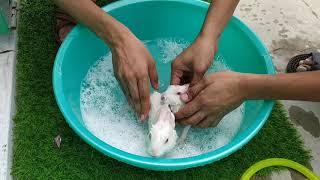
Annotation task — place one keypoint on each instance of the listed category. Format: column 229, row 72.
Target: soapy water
column 107, row 115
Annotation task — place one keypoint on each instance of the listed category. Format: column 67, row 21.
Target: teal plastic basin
column 4, row 28
column 242, row 49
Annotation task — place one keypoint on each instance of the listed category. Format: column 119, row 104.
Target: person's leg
column 64, row 24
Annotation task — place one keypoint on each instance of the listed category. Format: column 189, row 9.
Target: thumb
column 176, row 75
column 193, row 91
column 176, row 71
column 153, row 76
column 188, row 110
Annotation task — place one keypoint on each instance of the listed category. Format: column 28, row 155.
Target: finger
column 194, row 119
column 301, row 68
column 193, row 91
column 307, row 66
column 123, row 85
column 210, row 121
column 144, row 94
column 153, row 76
column 134, row 94
column 309, row 61
column 176, row 76
column 126, row 92
column 188, row 110
column 301, row 62
column 196, row 78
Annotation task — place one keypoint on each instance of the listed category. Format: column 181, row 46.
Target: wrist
column 257, row 86
column 248, row 86
column 210, row 35
column 207, row 43
column 113, row 33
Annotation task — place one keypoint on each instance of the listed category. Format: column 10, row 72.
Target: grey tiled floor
column 288, row 28
column 7, row 67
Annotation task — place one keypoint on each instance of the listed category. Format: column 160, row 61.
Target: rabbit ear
column 184, row 88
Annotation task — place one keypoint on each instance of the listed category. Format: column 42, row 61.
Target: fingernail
column 157, row 86
column 184, row 97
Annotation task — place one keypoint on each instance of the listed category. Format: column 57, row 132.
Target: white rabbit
column 172, row 96
column 162, row 134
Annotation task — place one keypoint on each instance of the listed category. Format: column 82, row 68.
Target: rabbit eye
column 166, row 140
column 179, row 93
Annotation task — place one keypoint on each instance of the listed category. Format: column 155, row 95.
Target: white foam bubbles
column 170, row 48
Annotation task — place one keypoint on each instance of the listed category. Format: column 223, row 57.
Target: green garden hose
column 279, row 162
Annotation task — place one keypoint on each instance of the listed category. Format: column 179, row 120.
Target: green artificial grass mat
column 38, row 121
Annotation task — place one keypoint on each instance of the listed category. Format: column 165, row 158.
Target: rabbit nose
column 154, row 153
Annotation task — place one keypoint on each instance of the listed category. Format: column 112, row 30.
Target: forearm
column 89, row 14
column 295, row 86
column 219, row 13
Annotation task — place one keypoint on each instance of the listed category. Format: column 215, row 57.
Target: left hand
column 134, row 67
column 192, row 63
column 211, row 99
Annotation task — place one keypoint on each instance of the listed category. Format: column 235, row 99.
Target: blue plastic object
column 152, row 19
column 4, row 28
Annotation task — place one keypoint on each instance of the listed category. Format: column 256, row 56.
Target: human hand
column 211, row 99
column 192, row 63
column 134, row 67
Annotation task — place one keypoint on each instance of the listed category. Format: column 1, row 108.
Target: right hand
column 134, row 67
column 212, row 98
column 190, row 66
